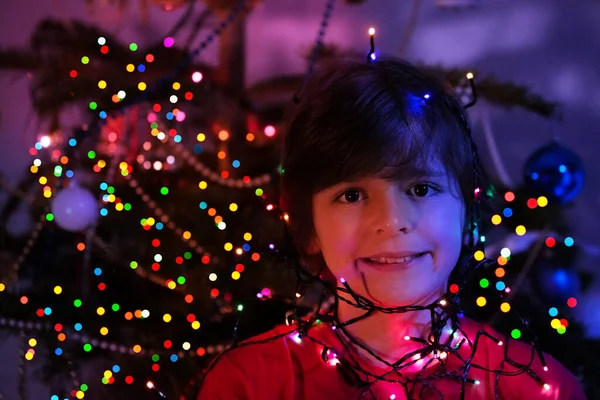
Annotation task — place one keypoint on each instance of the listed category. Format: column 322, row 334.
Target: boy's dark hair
column 358, row 119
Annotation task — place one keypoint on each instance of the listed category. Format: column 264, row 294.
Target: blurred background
column 139, row 160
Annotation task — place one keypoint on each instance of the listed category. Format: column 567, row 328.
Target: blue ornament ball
column 555, row 172
column 558, row 284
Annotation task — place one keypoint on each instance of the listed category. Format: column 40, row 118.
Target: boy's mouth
column 392, row 261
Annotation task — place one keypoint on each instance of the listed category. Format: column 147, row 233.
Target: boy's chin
column 386, row 299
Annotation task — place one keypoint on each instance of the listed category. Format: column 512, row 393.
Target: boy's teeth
column 385, row 260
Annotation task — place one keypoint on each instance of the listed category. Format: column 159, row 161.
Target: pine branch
column 502, row 94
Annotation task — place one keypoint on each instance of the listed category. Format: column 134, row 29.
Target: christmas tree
column 158, row 238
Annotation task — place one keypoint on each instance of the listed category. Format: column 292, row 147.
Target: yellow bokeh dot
column 505, row 307
column 150, row 221
column 100, row 311
column 119, row 207
column 47, row 193
column 108, row 374
column 57, row 289
column 176, row 85
column 479, row 255
column 102, row 84
column 101, row 163
column 171, row 285
column 481, row 301
column 496, row 219
column 228, row 246
column 167, row 317
column 202, row 185
column 233, row 207
column 235, row 275
column 201, row 137
column 137, row 348
column 555, row 323
column 29, row 356
column 130, row 67
column 43, row 180
column 187, row 235
column 196, row 325
column 247, row 236
column 142, row 86
column 32, row 342
column 80, row 394
column 104, row 331
column 34, row 169
column 112, row 198
column 520, row 230
column 2, row 287
column 542, row 201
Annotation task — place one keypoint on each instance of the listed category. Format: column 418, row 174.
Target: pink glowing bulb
column 269, row 131
column 169, row 42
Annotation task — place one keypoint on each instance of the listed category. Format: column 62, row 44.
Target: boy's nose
column 393, row 214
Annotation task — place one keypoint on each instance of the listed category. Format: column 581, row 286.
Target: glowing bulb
column 269, row 131
column 371, row 31
column 45, row 141
column 197, row 76
column 469, row 75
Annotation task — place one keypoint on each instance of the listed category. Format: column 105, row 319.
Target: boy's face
column 366, row 228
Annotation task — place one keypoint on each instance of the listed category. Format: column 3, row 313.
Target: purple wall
column 551, row 46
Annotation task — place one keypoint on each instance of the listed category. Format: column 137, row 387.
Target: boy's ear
column 313, row 247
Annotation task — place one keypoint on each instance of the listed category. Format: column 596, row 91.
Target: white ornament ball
column 74, row 209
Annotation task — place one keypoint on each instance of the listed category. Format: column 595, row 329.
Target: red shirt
column 289, row 368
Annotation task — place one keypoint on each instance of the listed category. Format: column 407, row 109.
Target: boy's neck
column 384, row 334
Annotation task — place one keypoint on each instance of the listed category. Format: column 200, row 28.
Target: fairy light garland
column 56, row 156
column 503, row 260
column 113, row 347
column 164, row 218
column 443, row 311
column 202, row 169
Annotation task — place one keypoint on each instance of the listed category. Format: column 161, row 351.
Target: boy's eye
column 421, row 190
column 350, row 196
